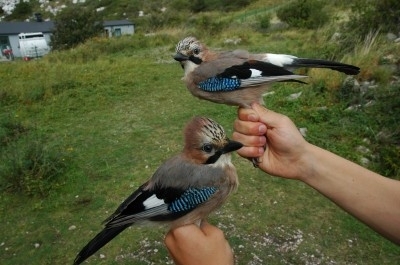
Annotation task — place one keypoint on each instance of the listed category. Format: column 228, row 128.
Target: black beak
column 180, row 57
column 231, row 146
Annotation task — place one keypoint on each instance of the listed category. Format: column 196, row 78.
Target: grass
column 116, row 109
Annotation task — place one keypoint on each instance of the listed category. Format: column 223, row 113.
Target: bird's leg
column 256, row 160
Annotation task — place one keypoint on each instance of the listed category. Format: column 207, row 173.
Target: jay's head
column 207, row 143
column 189, row 51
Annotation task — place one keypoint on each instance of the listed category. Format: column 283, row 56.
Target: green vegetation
column 73, row 26
column 81, row 129
column 304, row 14
column 383, row 15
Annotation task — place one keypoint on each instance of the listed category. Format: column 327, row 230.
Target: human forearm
column 373, row 199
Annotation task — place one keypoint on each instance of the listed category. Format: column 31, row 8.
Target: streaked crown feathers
column 188, row 44
column 203, row 127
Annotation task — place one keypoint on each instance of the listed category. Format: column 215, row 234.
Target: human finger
column 247, row 114
column 249, row 128
column 181, row 232
column 251, row 151
column 249, row 140
column 269, row 117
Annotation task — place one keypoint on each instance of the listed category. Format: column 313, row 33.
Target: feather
column 217, row 84
column 191, row 198
column 317, row 63
column 98, row 242
column 269, row 79
column 183, row 190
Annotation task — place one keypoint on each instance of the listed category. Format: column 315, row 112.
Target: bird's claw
column 255, row 161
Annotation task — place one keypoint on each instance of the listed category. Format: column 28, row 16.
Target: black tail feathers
column 98, row 242
column 316, row 63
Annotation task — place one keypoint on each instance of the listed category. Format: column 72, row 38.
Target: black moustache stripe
column 214, row 158
column 195, row 60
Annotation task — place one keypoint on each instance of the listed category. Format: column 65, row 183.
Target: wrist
column 308, row 163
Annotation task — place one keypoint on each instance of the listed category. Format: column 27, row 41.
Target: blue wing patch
column 220, row 84
column 191, row 198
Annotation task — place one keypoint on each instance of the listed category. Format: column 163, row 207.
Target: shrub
column 304, row 14
column 206, row 24
column 381, row 15
column 73, row 26
column 264, row 21
column 217, row 5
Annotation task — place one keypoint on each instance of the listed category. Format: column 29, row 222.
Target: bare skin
column 194, row 245
column 371, row 198
column 368, row 196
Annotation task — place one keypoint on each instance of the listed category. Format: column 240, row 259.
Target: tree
column 73, row 26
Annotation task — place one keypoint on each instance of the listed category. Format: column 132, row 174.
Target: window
column 117, row 32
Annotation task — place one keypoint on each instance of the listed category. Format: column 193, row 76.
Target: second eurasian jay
column 239, row 77
column 183, row 190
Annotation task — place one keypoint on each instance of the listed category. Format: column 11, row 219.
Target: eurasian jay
column 239, row 77
column 183, row 190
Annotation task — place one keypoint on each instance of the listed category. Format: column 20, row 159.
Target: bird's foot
column 255, row 161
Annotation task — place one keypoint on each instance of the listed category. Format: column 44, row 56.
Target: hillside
column 81, row 129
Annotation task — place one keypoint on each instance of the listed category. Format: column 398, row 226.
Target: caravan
column 33, row 45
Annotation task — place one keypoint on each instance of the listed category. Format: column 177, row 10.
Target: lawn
column 110, row 118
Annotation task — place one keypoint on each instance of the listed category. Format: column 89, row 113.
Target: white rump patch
column 152, row 202
column 255, row 73
column 280, row 59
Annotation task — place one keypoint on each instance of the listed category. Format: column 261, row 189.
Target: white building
column 9, row 31
column 116, row 28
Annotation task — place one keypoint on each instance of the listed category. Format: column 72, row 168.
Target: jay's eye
column 207, row 148
column 196, row 51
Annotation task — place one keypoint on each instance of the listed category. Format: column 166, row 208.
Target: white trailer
column 33, row 45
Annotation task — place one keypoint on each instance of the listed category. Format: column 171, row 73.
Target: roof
column 117, row 23
column 15, row 28
column 12, row 28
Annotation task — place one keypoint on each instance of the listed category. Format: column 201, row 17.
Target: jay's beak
column 180, row 57
column 231, row 146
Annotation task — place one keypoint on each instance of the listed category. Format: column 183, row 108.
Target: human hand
column 286, row 150
column 193, row 245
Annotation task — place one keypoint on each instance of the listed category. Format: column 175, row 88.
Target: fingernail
column 252, row 117
column 262, row 129
column 261, row 151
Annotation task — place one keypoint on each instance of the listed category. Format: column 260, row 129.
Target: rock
column 350, row 86
column 369, row 103
column 366, row 140
column 336, row 36
column 354, row 107
column 234, row 41
column 37, row 245
column 391, row 37
column 294, row 96
column 397, row 40
column 364, row 161
column 362, row 149
column 72, row 227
